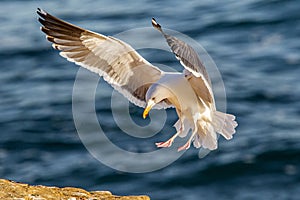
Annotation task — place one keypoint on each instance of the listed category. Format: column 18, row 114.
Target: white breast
column 181, row 88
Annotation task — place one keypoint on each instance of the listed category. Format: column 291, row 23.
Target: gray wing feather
column 187, row 56
column 194, row 68
column 117, row 62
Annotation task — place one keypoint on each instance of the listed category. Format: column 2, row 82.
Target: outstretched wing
column 194, row 68
column 118, row 63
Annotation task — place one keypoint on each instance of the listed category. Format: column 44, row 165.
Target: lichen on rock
column 10, row 190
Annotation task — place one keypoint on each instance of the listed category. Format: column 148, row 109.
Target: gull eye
column 153, row 98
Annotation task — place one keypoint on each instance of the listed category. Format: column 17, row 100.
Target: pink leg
column 170, row 141
column 188, row 144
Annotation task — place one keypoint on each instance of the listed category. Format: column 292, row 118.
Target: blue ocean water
column 255, row 45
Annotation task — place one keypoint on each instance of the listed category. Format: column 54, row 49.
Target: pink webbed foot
column 167, row 143
column 185, row 147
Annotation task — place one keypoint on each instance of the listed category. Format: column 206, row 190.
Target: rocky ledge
column 10, row 190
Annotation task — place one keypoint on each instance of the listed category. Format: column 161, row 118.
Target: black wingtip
column 41, row 12
column 38, row 10
column 155, row 24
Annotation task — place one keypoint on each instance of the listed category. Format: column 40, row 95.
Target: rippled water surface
column 255, row 45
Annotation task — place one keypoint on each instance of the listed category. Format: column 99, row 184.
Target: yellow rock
column 10, row 190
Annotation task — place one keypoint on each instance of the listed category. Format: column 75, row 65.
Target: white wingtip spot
column 42, row 11
column 55, row 46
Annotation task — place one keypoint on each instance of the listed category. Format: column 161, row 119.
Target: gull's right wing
column 116, row 61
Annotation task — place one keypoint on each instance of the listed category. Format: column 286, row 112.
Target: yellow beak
column 149, row 106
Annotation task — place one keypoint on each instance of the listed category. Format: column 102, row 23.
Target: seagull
column 145, row 85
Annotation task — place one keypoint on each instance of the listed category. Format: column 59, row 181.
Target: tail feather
column 209, row 139
column 224, row 124
column 197, row 141
column 206, row 136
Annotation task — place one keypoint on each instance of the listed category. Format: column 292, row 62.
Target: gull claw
column 167, row 143
column 185, row 147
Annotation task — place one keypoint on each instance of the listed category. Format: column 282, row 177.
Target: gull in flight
column 145, row 85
